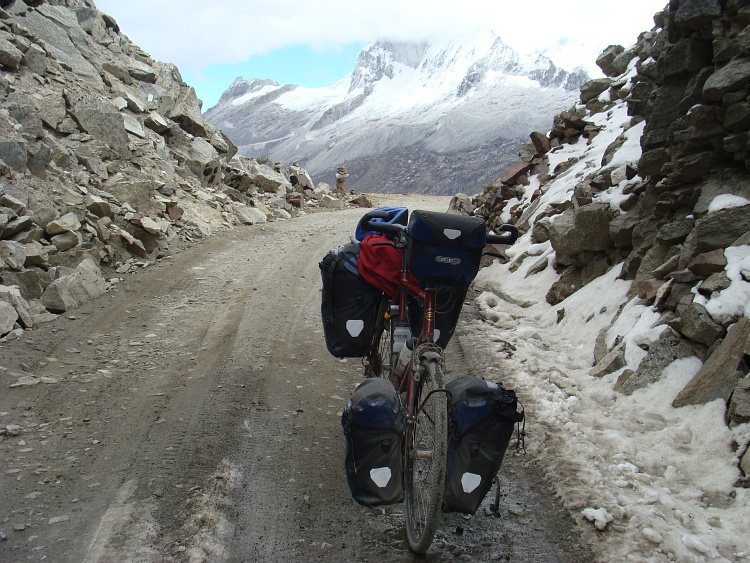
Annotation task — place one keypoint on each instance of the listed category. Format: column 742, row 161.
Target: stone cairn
column 341, row 176
column 689, row 78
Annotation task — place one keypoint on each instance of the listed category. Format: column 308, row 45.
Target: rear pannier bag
column 445, row 248
column 349, row 304
column 482, row 416
column 374, row 423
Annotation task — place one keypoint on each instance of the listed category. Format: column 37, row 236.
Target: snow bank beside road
column 656, row 483
column 665, row 476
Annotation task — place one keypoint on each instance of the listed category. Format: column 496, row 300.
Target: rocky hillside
column 648, row 173
column 107, row 163
column 410, row 118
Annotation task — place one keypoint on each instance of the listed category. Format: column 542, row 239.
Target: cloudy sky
column 315, row 42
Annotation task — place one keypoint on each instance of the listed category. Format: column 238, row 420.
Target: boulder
column 281, row 214
column 52, row 110
column 515, row 171
column 103, row 122
column 593, row 88
column 12, row 296
column 267, row 179
column 67, row 240
column 63, row 224
column 583, row 229
column 12, row 254
column 541, row 142
column 330, row 202
column 72, row 290
column 133, row 126
column 31, row 282
column 607, row 57
column 249, row 215
column 8, row 317
column 10, row 56
column 98, row 206
column 668, row 348
column 36, row 255
column 718, row 377
column 715, row 282
column 675, row 232
column 361, row 201
column 156, row 122
column 13, row 153
column 696, row 324
column 739, row 405
column 187, row 112
column 611, row 362
column 461, row 204
column 694, row 14
column 140, row 70
column 708, row 263
column 716, row 230
column 730, row 78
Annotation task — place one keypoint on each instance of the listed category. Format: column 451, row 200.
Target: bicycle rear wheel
column 379, row 364
column 426, row 454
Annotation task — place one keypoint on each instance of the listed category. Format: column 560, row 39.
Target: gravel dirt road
column 193, row 414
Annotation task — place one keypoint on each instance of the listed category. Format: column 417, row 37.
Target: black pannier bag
column 482, row 416
column 374, row 422
column 445, row 248
column 349, row 304
column 449, row 301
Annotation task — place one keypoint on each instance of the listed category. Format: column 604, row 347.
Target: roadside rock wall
column 105, row 156
column 676, row 216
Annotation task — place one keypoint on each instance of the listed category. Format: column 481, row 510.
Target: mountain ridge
column 443, row 98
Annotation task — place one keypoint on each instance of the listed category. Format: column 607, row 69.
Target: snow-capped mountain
column 411, row 117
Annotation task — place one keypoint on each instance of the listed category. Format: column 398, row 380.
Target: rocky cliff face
column 650, row 171
column 411, row 117
column 106, row 160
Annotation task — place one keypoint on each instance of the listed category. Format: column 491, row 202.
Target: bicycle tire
column 381, row 360
column 426, row 454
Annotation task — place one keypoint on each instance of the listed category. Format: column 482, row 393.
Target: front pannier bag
column 445, row 248
column 349, row 305
column 482, row 416
column 374, row 423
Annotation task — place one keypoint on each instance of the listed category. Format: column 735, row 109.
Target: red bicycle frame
column 427, row 298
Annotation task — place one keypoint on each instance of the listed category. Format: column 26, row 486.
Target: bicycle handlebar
column 387, row 228
column 396, row 229
column 510, row 238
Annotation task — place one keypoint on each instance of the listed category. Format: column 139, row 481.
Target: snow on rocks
column 622, row 314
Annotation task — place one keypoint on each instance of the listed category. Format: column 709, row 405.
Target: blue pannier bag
column 349, row 305
column 374, row 422
column 445, row 248
column 482, row 416
column 396, row 215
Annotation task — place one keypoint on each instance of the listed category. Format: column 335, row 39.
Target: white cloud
column 196, row 33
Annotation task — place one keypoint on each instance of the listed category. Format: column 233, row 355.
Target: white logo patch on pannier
column 470, row 481
column 380, row 476
column 452, row 233
column 355, row 327
column 448, row 260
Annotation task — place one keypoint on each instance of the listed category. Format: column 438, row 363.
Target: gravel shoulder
column 193, row 414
